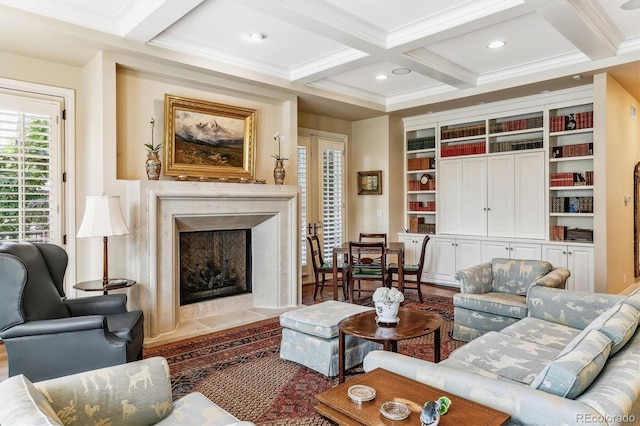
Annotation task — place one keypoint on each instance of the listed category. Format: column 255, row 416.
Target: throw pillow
column 575, row 368
column 23, row 404
column 618, row 322
column 633, row 299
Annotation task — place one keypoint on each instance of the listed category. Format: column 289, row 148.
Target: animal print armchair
column 137, row 393
column 493, row 294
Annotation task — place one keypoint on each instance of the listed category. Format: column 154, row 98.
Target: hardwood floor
column 307, row 299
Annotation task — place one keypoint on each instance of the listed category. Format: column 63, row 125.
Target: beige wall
column 325, row 124
column 114, row 105
column 37, row 71
column 371, row 150
column 620, row 143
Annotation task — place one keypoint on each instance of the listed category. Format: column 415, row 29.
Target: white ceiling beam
column 160, row 19
column 439, row 68
column 585, row 24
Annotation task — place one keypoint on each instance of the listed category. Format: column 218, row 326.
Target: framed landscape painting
column 370, row 183
column 206, row 139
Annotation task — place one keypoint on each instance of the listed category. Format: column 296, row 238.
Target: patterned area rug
column 241, row 369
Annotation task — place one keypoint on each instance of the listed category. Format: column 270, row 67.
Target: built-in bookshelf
column 571, row 177
column 420, row 158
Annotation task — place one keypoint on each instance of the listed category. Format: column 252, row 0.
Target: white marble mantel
column 160, row 210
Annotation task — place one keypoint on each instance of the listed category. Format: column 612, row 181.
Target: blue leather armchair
column 48, row 336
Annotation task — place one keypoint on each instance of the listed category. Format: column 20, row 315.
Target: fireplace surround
column 160, row 210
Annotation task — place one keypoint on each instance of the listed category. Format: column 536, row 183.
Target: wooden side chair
column 362, row 267
column 411, row 271
column 322, row 268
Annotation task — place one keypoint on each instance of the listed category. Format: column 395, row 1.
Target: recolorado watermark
column 593, row 418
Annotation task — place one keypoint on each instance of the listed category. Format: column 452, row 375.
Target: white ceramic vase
column 387, row 312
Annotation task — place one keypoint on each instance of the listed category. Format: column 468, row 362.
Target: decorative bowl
column 361, row 393
column 395, row 410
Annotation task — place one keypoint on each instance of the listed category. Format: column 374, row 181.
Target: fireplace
column 160, row 211
column 214, row 264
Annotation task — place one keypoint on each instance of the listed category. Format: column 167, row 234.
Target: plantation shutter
column 29, row 169
column 302, row 183
column 332, row 200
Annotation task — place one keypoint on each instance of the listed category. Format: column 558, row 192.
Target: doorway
column 321, row 177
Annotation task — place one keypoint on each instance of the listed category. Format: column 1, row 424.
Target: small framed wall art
column 370, row 183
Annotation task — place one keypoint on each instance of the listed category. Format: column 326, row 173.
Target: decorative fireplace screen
column 214, row 264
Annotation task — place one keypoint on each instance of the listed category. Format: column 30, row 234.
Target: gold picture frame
column 206, row 139
column 370, row 183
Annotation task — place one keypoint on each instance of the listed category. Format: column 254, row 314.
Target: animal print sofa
column 137, row 393
column 574, row 360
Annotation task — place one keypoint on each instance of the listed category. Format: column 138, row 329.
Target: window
column 332, row 199
column 30, row 169
column 302, row 183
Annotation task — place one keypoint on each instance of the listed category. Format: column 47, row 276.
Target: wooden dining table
column 342, row 251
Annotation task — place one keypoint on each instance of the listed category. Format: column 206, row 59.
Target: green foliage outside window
column 25, row 184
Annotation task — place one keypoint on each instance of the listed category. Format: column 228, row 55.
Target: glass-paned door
column 321, row 174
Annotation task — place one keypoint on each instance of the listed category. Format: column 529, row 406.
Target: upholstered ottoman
column 310, row 337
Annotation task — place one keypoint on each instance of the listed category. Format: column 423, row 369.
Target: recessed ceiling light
column 630, row 5
column 577, row 77
column 257, row 36
column 545, row 91
column 382, row 77
column 401, row 71
column 496, row 44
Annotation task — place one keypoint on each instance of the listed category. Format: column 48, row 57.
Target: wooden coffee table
column 336, row 405
column 411, row 324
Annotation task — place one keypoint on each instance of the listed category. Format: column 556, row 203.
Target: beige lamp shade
column 102, row 217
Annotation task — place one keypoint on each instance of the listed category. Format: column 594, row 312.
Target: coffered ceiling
column 329, row 52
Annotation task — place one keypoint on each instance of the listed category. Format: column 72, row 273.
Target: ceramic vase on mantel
column 279, row 173
column 153, row 165
column 387, row 312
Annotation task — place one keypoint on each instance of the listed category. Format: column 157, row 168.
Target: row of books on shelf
column 462, row 149
column 419, row 206
column 562, row 233
column 515, row 125
column 579, row 120
column 426, row 142
column 575, row 150
column 516, row 145
column 462, row 132
column 571, row 179
column 424, row 163
column 416, row 185
column 571, row 204
column 417, row 226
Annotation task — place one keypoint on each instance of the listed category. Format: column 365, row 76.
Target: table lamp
column 103, row 218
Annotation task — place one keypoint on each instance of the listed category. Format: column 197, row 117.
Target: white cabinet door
column 555, row 255
column 443, row 259
column 491, row 249
column 525, row 251
column 500, row 196
column 468, row 253
column 507, row 250
column 410, row 256
column 577, row 259
column 580, row 263
column 412, row 247
column 529, row 198
column 449, row 203
column 474, row 196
